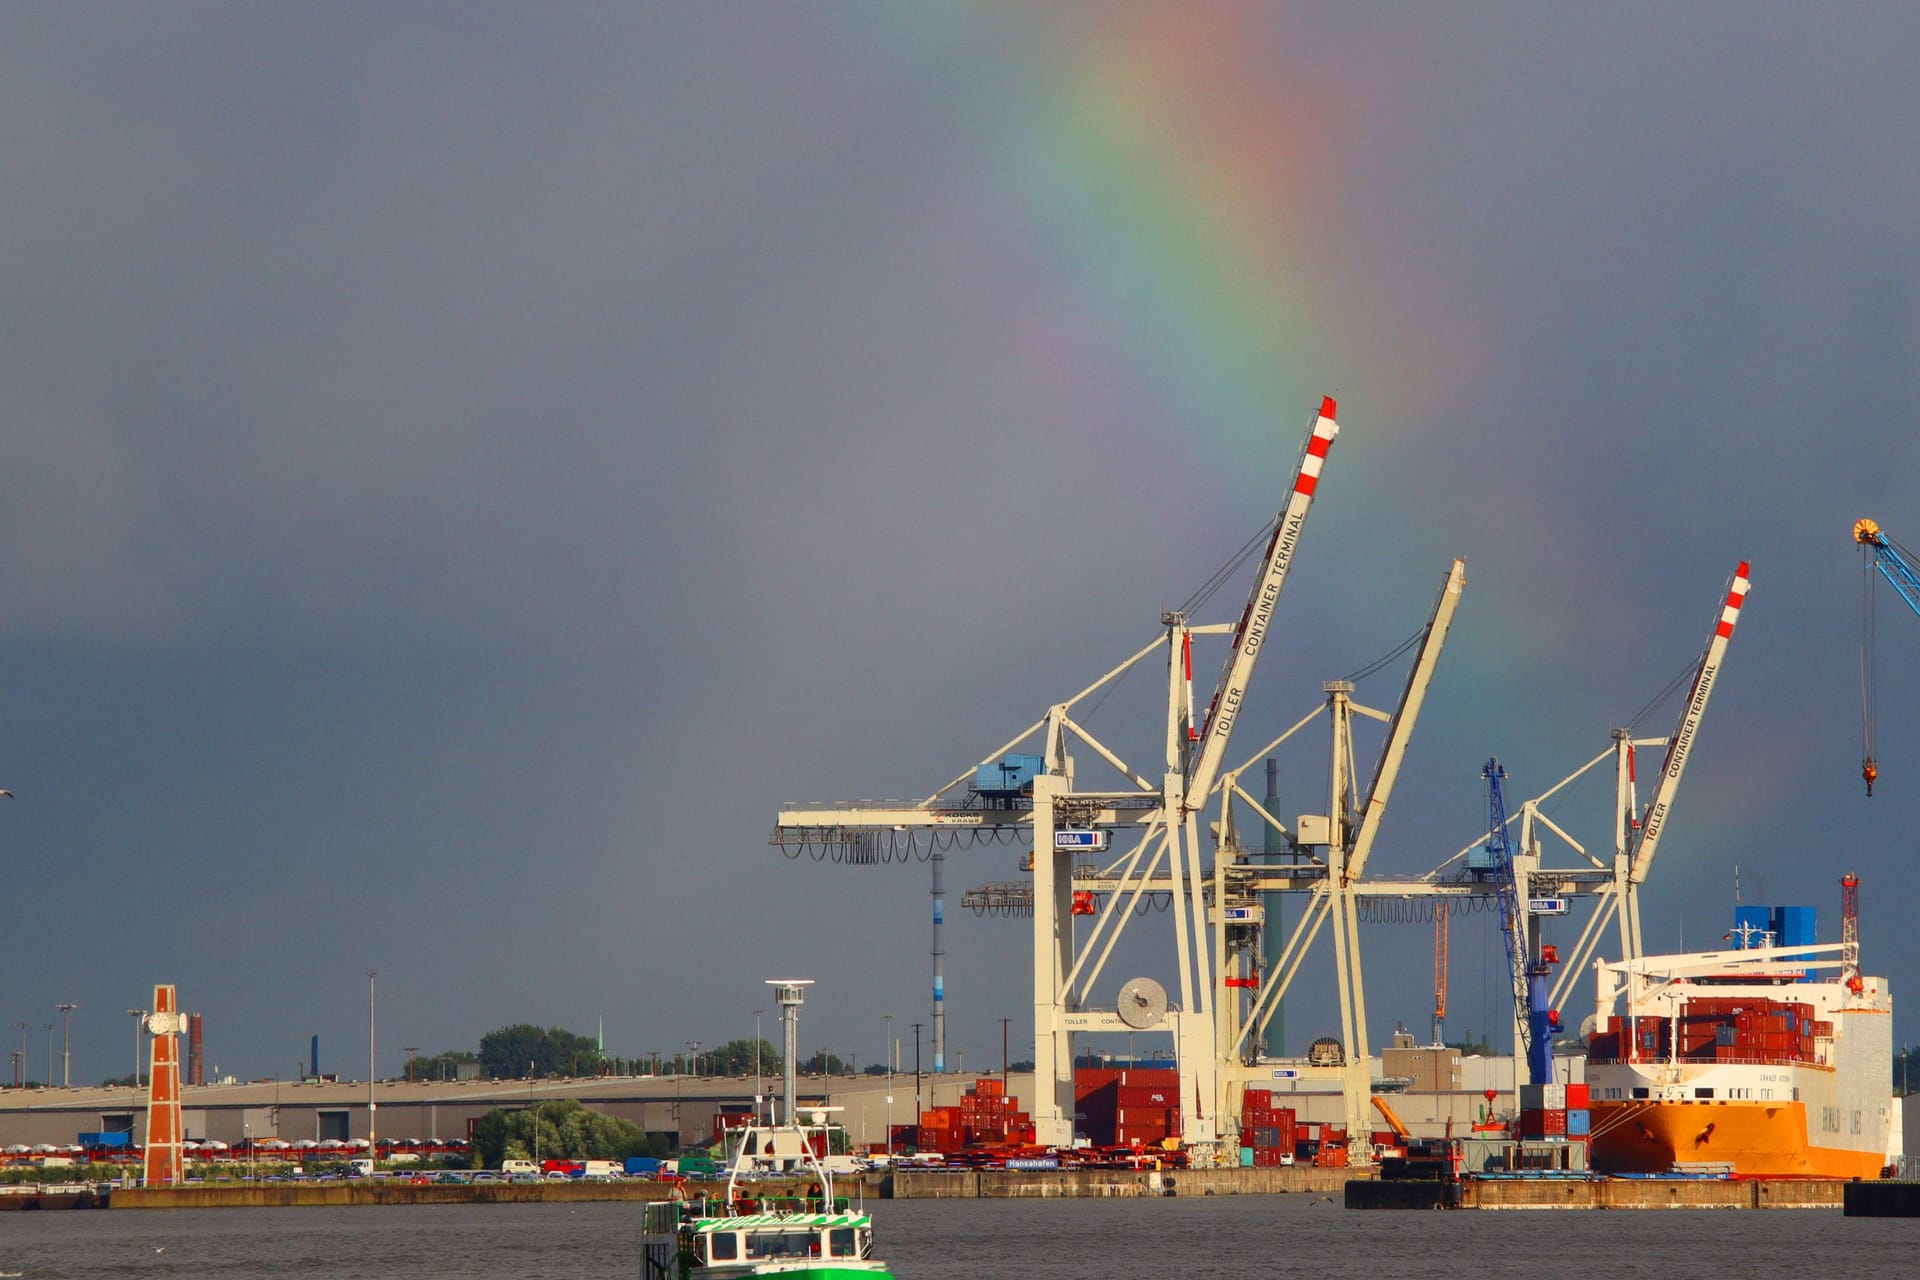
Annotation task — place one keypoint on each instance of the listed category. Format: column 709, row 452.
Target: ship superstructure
column 1745, row 1060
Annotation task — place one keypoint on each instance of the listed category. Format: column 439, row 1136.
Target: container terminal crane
column 1146, row 828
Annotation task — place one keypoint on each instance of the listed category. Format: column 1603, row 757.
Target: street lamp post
column 246, row 1131
column 49, row 1027
column 20, row 1062
column 919, row 1105
column 887, row 1048
column 372, row 1140
column 1003, row 1055
column 536, row 1121
column 756, row 1065
column 66, row 1043
column 138, row 1015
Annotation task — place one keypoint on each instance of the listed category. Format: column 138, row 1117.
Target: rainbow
column 1171, row 180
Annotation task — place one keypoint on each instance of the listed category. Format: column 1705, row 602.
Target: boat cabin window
column 1703, row 1093
column 1640, row 1092
column 840, row 1243
column 783, row 1244
column 723, row 1246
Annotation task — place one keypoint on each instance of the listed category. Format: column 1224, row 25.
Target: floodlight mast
column 790, row 994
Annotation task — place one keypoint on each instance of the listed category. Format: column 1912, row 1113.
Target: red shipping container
column 1543, row 1124
column 1578, row 1097
column 1157, row 1077
column 1148, row 1096
column 1132, row 1116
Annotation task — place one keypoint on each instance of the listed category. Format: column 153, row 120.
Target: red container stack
column 1097, row 1101
column 1543, row 1124
column 1266, row 1129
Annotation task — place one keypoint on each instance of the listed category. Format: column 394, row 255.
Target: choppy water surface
column 1194, row 1239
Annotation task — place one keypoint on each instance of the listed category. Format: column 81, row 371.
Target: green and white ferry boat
column 813, row 1235
column 818, row 1240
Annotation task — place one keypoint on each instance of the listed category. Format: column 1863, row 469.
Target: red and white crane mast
column 1257, row 618
column 1679, row 747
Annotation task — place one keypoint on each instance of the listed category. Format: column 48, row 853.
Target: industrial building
column 1432, row 1087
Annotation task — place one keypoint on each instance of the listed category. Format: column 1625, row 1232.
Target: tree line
column 525, row 1050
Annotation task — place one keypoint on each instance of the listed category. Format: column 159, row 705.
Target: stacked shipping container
column 1266, row 1131
column 1133, row 1106
column 1741, row 1029
column 984, row 1117
column 1554, row 1112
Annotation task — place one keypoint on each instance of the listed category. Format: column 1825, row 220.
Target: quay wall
column 1601, row 1193
column 1012, row 1184
column 1358, row 1188
column 258, row 1195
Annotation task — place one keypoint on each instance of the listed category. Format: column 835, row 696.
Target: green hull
column 795, row 1271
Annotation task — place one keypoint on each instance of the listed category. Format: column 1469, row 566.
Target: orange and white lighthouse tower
column 165, row 1165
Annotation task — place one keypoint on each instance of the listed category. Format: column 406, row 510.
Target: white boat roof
column 809, row 1221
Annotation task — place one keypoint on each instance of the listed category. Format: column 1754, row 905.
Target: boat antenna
column 790, row 994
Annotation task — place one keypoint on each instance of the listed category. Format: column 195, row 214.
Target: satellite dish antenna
column 1143, row 1003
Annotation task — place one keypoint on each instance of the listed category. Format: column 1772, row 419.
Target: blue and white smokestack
column 939, row 962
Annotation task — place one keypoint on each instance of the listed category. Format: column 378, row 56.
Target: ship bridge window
column 723, row 1247
column 1640, row 1092
column 1703, row 1093
column 840, row 1243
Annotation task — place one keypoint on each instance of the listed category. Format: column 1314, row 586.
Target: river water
column 1230, row 1237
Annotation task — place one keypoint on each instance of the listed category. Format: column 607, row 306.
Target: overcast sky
column 465, row 469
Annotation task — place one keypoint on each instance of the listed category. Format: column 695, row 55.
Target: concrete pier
column 1882, row 1200
column 1600, row 1193
column 1012, row 1184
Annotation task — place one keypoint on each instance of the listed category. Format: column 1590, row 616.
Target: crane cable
column 1224, row 574
column 1869, row 676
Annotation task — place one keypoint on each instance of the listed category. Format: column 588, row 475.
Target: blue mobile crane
column 1528, row 965
column 1896, row 565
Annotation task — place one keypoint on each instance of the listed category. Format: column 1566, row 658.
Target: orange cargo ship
column 1740, row 1061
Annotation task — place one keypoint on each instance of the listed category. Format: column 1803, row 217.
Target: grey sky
column 466, row 468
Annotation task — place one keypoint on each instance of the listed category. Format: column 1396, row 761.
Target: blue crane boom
column 1896, row 565
column 1534, row 1020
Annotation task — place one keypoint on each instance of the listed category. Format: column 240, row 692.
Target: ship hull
column 1821, row 1106
column 1757, row 1139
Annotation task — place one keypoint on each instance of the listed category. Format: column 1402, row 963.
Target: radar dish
column 1143, row 1003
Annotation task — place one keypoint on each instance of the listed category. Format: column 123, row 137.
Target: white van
column 511, row 1167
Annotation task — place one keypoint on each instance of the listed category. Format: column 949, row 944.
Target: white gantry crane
column 1153, row 818
column 1036, row 798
